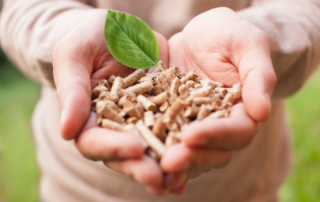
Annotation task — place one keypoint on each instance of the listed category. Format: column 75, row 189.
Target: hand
column 80, row 60
column 221, row 46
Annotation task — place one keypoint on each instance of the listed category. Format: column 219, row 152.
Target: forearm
column 31, row 29
column 294, row 32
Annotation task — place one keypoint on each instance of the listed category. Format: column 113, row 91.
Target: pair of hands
column 218, row 45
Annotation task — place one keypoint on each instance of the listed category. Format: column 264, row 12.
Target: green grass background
column 19, row 175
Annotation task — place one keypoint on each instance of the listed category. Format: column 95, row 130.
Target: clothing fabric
column 29, row 30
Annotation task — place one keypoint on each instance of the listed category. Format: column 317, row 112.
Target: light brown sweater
column 29, row 30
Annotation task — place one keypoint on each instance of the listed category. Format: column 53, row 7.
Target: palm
column 209, row 45
column 81, row 59
column 107, row 66
column 96, row 56
column 208, row 61
column 220, row 45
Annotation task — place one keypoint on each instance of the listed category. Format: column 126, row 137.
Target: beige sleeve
column 29, row 30
column 293, row 27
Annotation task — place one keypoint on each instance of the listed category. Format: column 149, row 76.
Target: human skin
column 80, row 60
column 220, row 45
column 217, row 44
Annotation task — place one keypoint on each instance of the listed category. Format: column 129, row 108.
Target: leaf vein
column 154, row 62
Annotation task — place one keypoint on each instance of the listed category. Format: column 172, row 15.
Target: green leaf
column 131, row 41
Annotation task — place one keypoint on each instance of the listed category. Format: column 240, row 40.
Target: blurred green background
column 19, row 176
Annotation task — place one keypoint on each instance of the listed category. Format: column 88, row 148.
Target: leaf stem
column 160, row 67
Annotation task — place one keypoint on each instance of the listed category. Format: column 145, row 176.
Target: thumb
column 257, row 75
column 72, row 72
column 163, row 48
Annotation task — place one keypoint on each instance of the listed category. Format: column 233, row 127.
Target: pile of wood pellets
column 155, row 106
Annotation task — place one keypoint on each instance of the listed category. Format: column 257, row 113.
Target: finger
column 175, row 180
column 232, row 133
column 256, row 93
column 180, row 157
column 179, row 191
column 163, row 48
column 97, row 143
column 253, row 59
column 72, row 70
column 144, row 170
column 75, row 57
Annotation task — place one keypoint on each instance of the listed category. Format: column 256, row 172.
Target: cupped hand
column 220, row 45
column 80, row 60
